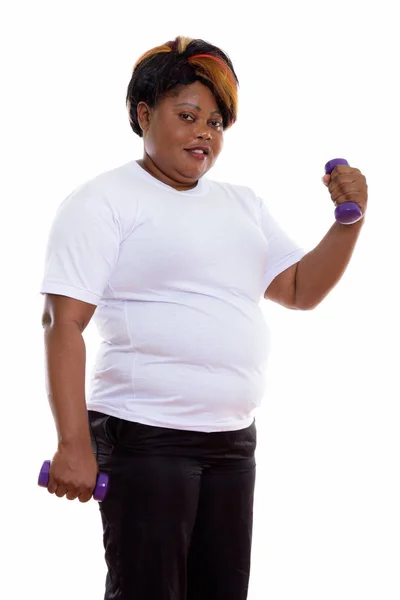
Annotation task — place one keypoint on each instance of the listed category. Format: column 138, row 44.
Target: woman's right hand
column 73, row 472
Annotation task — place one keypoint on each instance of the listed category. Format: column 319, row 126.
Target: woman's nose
column 203, row 131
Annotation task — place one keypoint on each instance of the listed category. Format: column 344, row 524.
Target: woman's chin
column 192, row 172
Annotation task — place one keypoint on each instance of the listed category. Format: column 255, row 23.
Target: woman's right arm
column 74, row 467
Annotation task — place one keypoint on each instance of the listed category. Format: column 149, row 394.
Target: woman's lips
column 197, row 155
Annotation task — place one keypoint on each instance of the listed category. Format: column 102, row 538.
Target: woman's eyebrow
column 196, row 107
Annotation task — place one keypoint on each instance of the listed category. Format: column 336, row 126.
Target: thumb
column 326, row 179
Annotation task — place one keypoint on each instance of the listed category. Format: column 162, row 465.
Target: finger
column 346, row 188
column 343, row 181
column 341, row 194
column 347, row 179
column 52, row 486
column 72, row 494
column 344, row 169
column 347, row 196
column 85, row 496
column 53, row 483
column 61, row 491
column 344, row 185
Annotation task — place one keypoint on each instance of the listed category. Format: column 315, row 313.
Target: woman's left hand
column 347, row 185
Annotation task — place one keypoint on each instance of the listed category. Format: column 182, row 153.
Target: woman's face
column 174, row 128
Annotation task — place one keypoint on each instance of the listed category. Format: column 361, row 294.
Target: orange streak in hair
column 218, row 60
column 153, row 52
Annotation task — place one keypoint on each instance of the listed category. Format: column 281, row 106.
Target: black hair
column 164, row 70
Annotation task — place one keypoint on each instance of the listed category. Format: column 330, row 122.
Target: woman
column 172, row 266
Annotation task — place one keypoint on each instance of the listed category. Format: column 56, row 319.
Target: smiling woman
column 172, row 266
column 181, row 98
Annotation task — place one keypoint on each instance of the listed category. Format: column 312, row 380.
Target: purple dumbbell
column 100, row 490
column 348, row 212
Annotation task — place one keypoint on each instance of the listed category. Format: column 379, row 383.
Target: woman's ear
column 143, row 116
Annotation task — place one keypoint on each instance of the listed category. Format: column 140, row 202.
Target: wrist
column 77, row 442
column 352, row 226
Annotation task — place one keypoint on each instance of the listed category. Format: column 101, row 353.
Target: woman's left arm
column 309, row 281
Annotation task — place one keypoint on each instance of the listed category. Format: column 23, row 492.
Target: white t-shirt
column 177, row 279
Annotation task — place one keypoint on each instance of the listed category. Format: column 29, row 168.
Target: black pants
column 178, row 515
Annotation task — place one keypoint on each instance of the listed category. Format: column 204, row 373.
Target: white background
column 318, row 80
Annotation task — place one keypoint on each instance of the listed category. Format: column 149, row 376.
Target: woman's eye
column 189, row 118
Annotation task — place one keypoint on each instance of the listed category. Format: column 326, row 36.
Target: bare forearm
column 320, row 270
column 65, row 360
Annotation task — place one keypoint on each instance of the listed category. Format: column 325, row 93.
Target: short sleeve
column 283, row 251
column 83, row 246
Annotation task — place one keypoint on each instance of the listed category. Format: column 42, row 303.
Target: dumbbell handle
column 347, row 212
column 100, row 490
